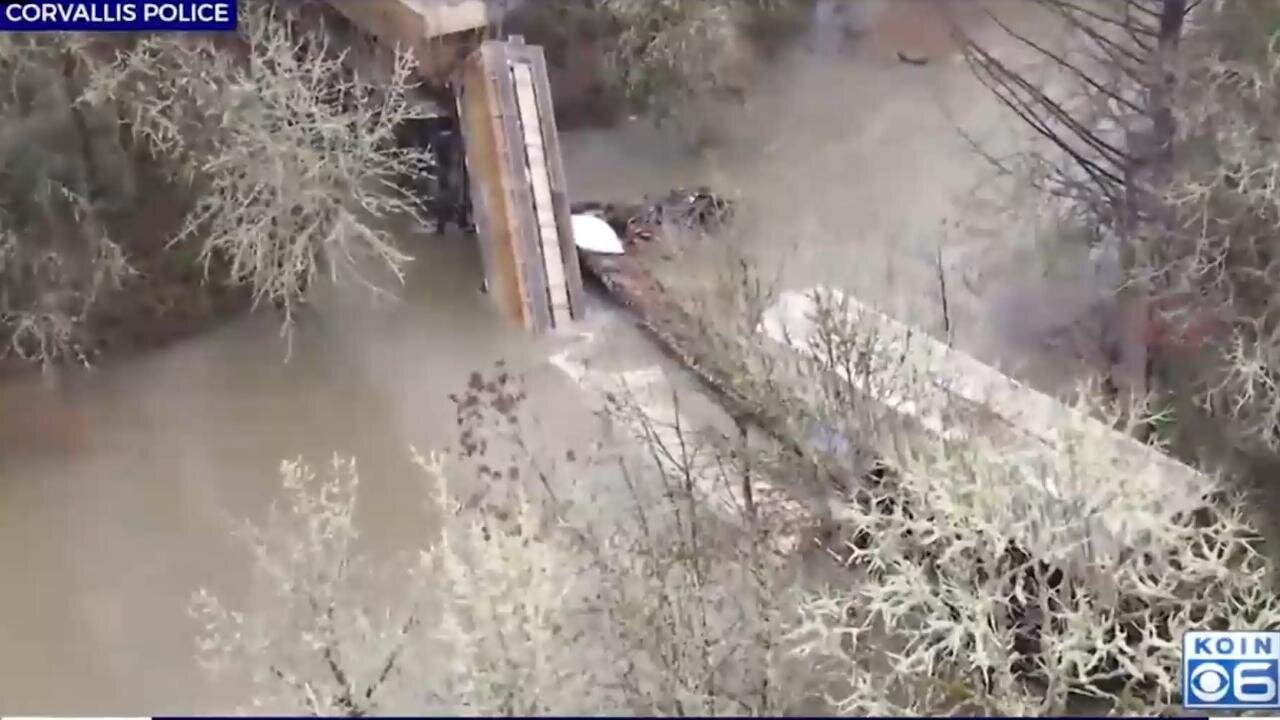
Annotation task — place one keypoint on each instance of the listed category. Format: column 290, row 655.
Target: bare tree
column 293, row 158
column 289, row 158
column 1102, row 105
column 1156, row 121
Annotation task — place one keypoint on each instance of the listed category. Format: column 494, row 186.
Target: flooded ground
column 848, row 165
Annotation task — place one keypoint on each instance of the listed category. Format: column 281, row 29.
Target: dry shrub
column 537, row 596
column 991, row 581
column 1218, row 261
column 56, row 254
column 293, row 159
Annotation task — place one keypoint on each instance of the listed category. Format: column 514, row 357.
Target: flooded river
column 106, row 531
column 848, row 166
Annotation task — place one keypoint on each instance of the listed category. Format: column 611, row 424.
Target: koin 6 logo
column 1231, row 670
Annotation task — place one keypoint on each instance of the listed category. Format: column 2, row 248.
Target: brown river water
column 849, row 167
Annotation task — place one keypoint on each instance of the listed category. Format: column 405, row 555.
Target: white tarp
column 595, row 235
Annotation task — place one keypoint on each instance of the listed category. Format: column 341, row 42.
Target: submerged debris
column 698, row 209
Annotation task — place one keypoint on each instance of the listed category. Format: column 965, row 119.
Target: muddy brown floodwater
column 848, row 164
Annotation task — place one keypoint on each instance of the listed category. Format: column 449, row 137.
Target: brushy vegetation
column 669, row 51
column 293, row 158
column 289, row 161
column 1223, row 208
column 660, row 57
column 542, row 594
column 56, row 253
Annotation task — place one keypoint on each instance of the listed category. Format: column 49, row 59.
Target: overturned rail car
column 519, row 198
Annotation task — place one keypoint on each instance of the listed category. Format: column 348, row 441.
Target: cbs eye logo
column 1210, row 682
